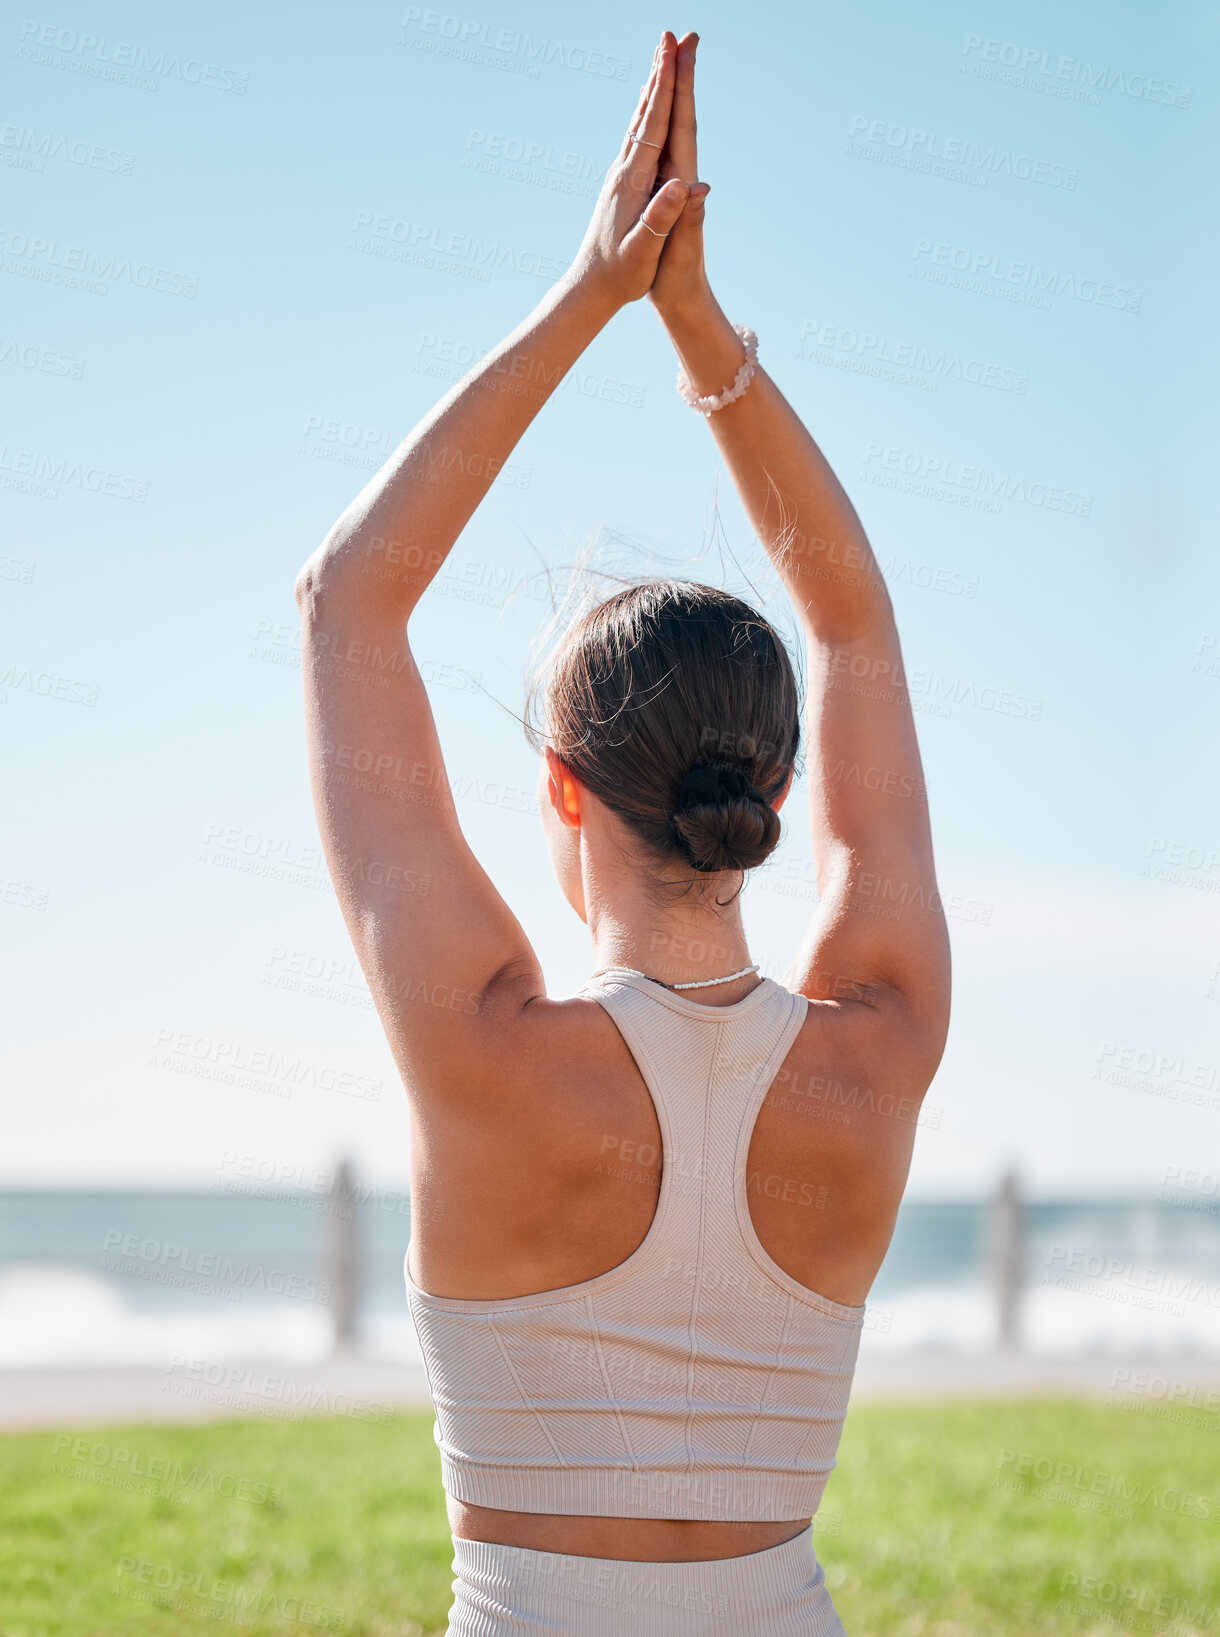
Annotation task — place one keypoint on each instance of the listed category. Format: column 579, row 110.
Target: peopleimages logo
column 104, row 58
column 58, row 472
column 126, row 1252
column 53, row 262
column 469, row 39
column 46, row 360
column 1042, row 282
column 936, row 472
column 875, row 353
column 930, row 149
column 30, row 148
column 1057, row 73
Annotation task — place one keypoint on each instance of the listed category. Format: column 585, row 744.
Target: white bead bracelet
column 741, row 380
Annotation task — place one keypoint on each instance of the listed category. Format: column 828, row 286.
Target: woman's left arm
column 434, row 937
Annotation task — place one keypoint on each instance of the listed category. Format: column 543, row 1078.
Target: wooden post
column 344, row 1257
column 1008, row 1260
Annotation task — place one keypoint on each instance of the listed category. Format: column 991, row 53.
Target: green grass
column 929, row 1528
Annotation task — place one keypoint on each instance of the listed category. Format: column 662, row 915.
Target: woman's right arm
column 879, row 937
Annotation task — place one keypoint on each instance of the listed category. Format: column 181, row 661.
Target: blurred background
column 243, row 251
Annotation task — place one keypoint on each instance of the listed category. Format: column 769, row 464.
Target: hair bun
column 712, row 782
column 721, row 821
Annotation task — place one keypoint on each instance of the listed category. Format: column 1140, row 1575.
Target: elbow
column 307, row 586
column 302, row 586
column 354, row 570
column 308, row 577
column 318, row 576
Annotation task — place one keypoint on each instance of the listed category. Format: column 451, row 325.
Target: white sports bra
column 695, row 1380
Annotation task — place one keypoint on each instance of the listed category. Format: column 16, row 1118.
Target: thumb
column 660, row 214
column 696, row 200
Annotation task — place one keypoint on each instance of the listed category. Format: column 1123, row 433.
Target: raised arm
column 444, row 955
column 879, row 935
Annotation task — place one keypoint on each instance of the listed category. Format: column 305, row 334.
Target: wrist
column 582, row 293
column 692, row 314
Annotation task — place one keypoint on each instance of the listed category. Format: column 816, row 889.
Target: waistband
column 722, row 1496
column 779, row 1591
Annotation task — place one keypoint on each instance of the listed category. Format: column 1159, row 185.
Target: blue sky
column 244, row 251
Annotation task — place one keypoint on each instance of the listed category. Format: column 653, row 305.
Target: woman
column 644, row 1218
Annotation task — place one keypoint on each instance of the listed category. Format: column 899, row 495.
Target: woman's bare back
column 561, row 1179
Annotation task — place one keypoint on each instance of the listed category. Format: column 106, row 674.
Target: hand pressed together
column 681, row 278
column 646, row 232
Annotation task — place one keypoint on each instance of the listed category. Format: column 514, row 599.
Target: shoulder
column 533, row 1057
column 516, row 1010
column 878, row 1027
column 857, row 1074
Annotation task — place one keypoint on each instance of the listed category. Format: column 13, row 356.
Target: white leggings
column 503, row 1590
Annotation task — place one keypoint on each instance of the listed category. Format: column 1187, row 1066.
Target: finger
column 659, row 215
column 680, row 148
column 645, row 92
column 641, row 105
column 689, row 225
column 651, row 130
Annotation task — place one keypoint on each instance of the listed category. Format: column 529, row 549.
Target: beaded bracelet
column 741, row 380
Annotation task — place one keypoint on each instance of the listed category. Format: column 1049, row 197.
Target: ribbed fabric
column 695, row 1380
column 505, row 1589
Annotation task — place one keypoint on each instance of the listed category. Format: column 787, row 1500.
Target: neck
column 688, row 941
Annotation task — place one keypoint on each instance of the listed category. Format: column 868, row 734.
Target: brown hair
column 676, row 704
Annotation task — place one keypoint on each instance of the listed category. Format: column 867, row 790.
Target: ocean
column 129, row 1278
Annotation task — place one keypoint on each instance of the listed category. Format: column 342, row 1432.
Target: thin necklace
column 705, row 983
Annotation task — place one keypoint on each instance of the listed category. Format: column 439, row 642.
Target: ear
column 563, row 790
column 783, row 795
